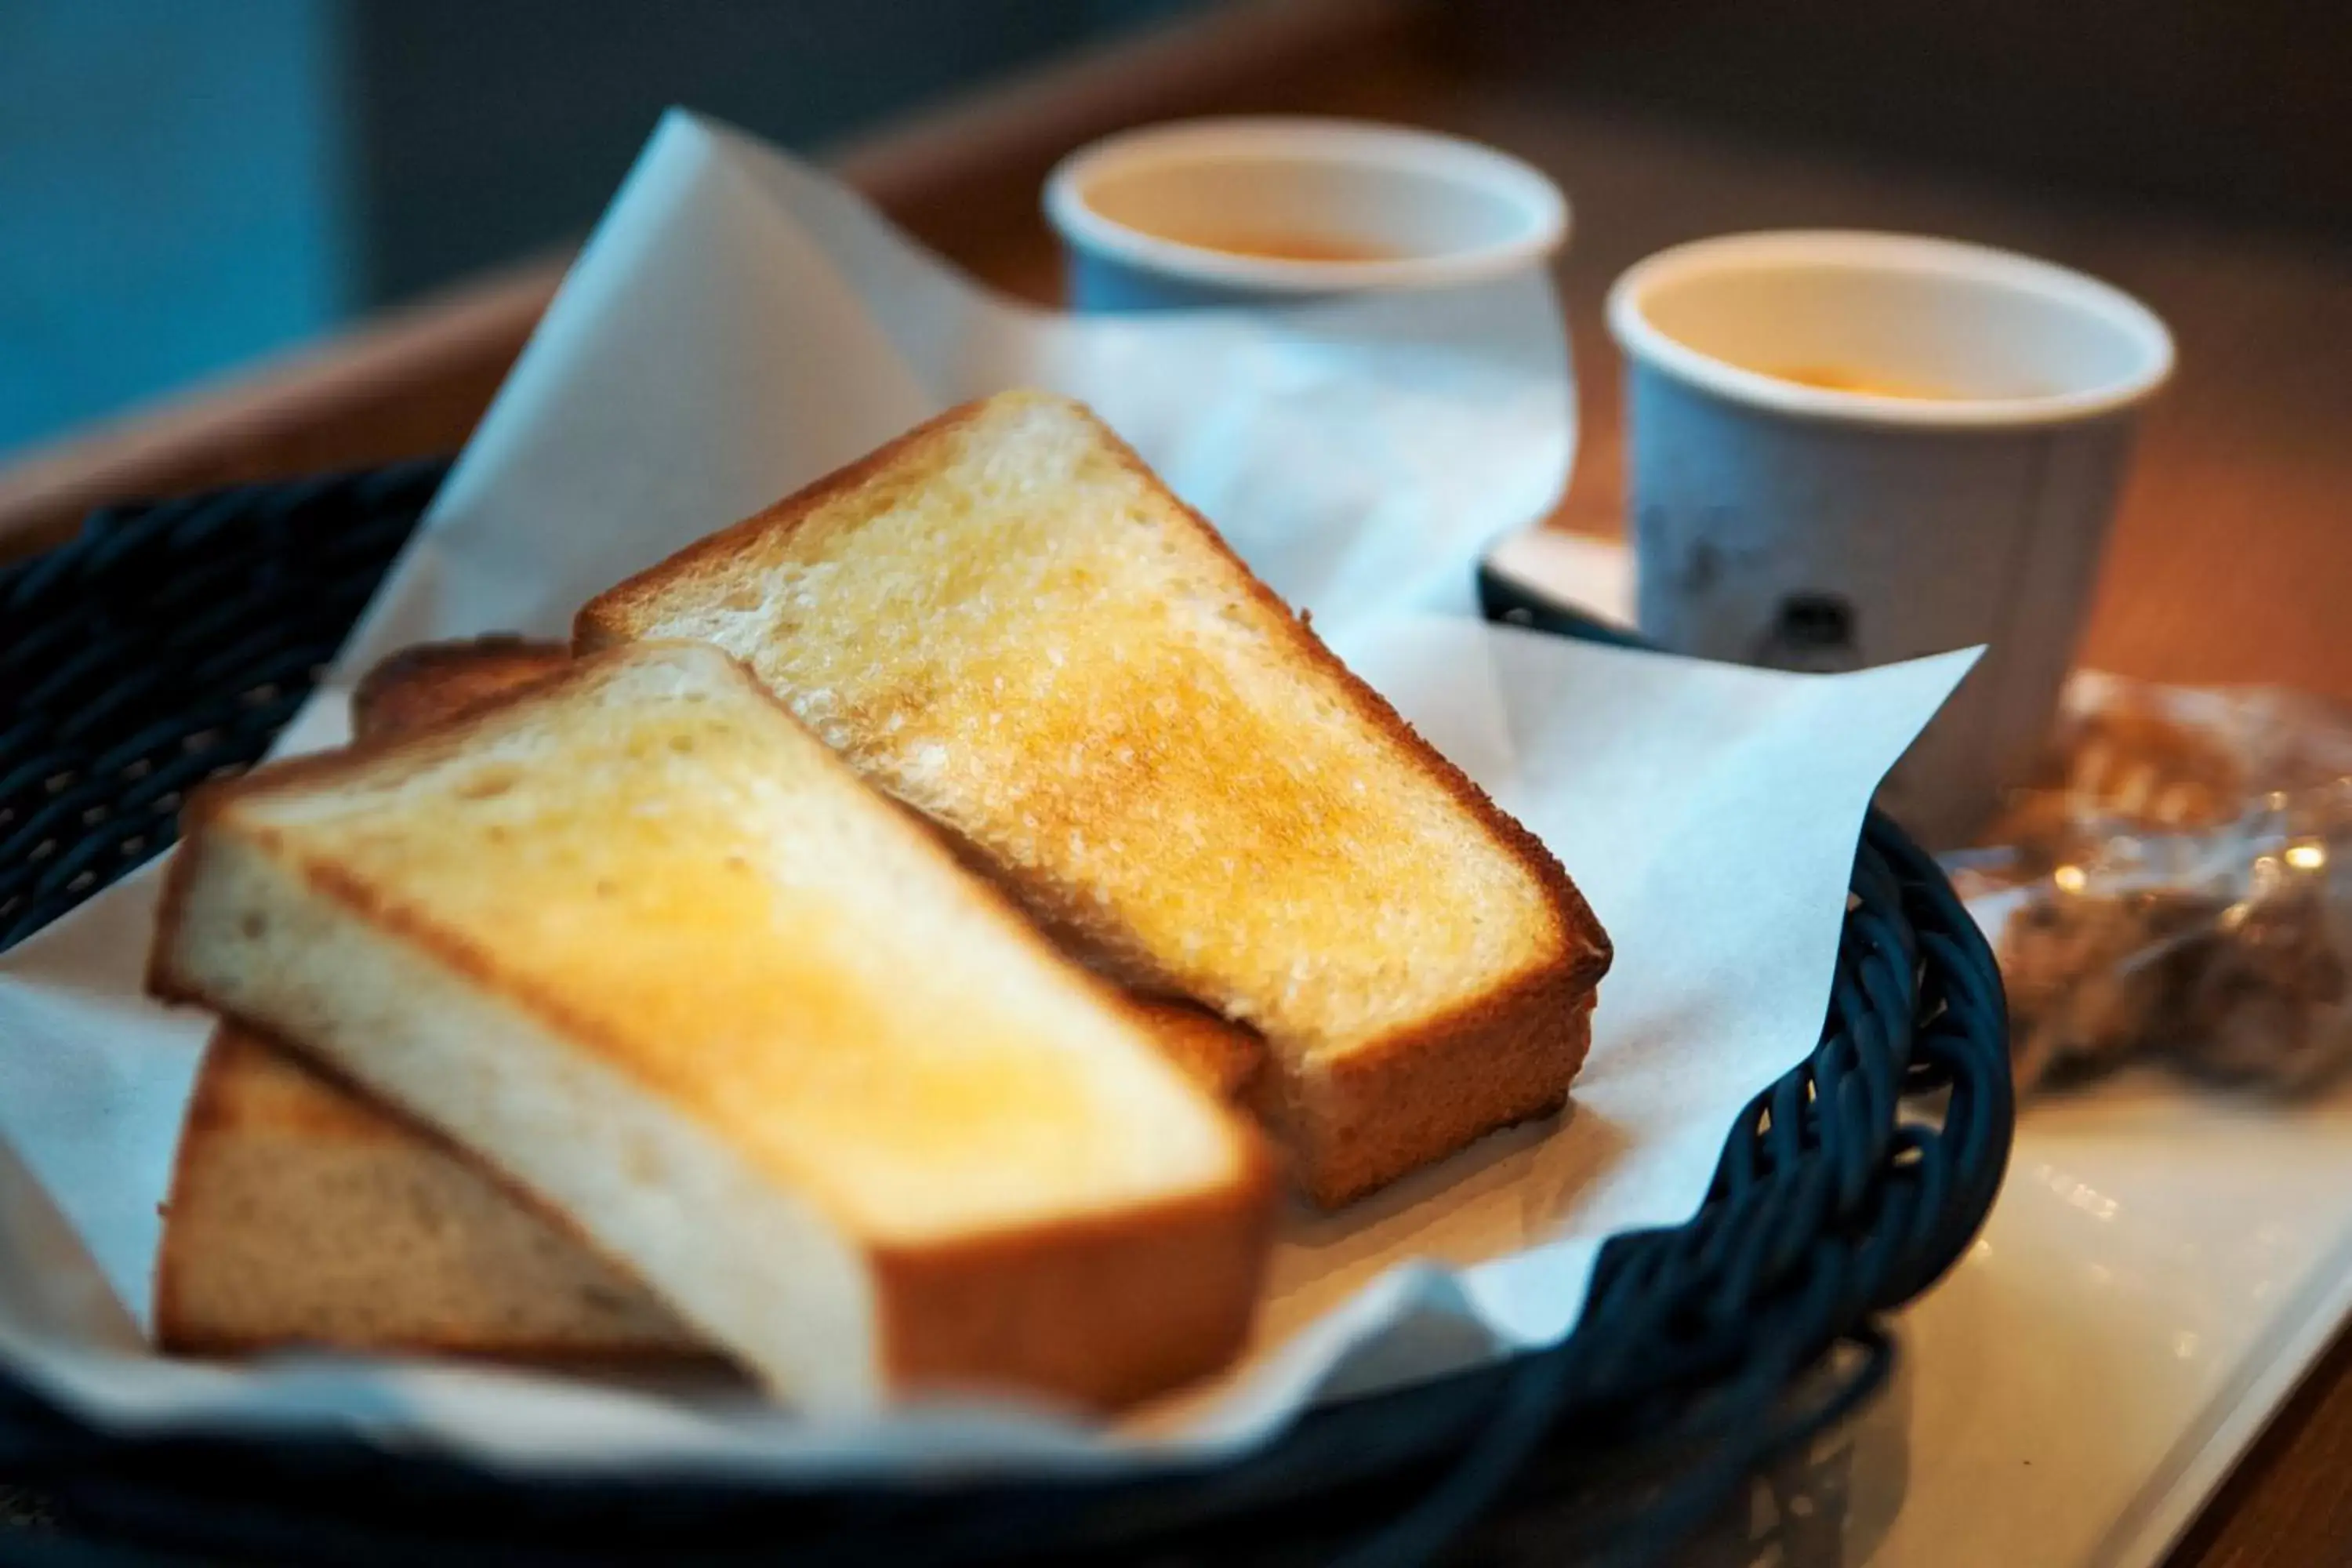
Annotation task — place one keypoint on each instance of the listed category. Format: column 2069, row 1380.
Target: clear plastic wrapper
column 2178, row 886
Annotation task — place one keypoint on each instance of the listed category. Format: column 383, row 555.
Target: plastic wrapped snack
column 2180, row 887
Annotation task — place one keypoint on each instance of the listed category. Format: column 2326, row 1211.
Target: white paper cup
column 1802, row 526
column 1181, row 214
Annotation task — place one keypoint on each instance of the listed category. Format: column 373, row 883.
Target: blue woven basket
column 168, row 643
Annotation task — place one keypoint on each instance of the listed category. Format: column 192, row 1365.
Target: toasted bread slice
column 431, row 683
column 640, row 942
column 302, row 1212
column 1004, row 620
column 1221, row 1056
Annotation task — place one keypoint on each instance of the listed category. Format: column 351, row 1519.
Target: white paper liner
column 739, row 325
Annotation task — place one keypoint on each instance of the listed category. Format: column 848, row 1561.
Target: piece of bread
column 637, row 941
column 434, row 682
column 1222, row 1056
column 1006, row 622
column 302, row 1212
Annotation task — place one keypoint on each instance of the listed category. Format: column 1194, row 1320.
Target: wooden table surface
column 2231, row 560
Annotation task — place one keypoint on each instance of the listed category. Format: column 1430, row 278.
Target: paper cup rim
column 1868, row 250
column 1309, row 138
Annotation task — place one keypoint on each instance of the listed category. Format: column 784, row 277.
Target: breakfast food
column 589, row 1005
column 640, row 943
column 1222, row 1056
column 431, row 683
column 302, row 1212
column 1004, row 621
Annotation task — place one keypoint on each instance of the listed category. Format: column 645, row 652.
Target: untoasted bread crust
column 1498, row 1057
column 1218, row 1236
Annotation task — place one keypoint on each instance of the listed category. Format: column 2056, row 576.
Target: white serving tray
column 2162, row 1267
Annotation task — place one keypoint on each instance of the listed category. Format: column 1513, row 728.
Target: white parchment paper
column 739, row 325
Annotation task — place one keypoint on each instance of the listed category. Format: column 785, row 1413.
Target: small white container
column 1184, row 214
column 1955, row 487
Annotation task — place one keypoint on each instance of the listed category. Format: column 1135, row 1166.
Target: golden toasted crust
column 1055, row 1308
column 247, row 1081
column 252, row 1093
column 1501, row 1059
column 1498, row 1056
column 484, row 967
column 431, row 683
column 1217, row 1236
column 256, row 1102
column 211, row 1116
column 654, row 1358
column 1221, row 1055
column 605, row 621
column 1586, row 950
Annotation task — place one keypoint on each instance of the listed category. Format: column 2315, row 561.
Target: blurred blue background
column 172, row 196
column 186, row 185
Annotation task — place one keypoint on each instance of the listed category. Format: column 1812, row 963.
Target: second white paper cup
column 1965, row 500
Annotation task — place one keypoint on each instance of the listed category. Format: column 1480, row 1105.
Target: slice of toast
column 638, row 942
column 1006, row 621
column 302, row 1212
column 434, row 682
